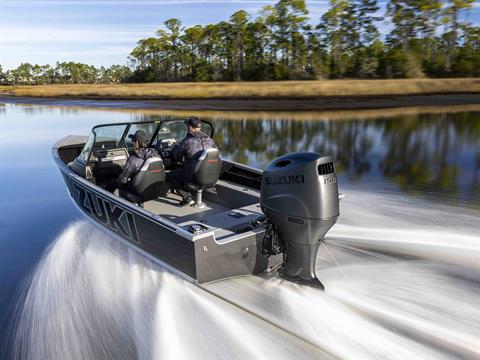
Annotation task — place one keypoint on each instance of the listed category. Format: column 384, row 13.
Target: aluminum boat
column 244, row 221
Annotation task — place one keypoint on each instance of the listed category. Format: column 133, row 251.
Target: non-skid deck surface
column 168, row 208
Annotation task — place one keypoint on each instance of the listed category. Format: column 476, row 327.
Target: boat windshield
column 87, row 148
column 115, row 136
column 109, row 136
column 149, row 129
column 103, row 137
column 176, row 130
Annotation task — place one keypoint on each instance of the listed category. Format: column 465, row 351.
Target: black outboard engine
column 299, row 196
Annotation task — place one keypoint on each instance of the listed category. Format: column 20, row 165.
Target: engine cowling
column 299, row 195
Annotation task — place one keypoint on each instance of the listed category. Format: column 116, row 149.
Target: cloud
column 60, row 34
column 72, row 54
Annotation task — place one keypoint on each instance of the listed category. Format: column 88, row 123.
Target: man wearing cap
column 189, row 150
column 141, row 152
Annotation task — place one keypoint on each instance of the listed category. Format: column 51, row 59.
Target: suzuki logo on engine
column 285, row 180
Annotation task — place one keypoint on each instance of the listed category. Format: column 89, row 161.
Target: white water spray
column 397, row 286
column 93, row 297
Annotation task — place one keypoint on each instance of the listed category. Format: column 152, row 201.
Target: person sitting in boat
column 141, row 152
column 189, row 150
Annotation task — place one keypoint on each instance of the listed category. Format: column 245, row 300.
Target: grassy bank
column 278, row 89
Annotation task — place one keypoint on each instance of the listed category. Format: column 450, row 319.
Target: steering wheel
column 164, row 149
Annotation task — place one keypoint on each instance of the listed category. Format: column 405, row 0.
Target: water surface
column 413, row 189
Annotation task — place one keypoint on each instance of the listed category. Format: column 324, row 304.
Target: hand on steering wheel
column 169, row 142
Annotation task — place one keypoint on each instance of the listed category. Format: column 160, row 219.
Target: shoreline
column 324, row 103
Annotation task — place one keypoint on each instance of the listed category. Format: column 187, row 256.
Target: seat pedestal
column 198, row 200
column 205, row 174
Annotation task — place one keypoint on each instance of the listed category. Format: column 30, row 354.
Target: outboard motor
column 299, row 196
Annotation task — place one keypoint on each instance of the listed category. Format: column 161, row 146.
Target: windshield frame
column 155, row 134
column 121, row 142
column 127, row 129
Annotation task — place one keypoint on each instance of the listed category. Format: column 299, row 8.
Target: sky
column 103, row 32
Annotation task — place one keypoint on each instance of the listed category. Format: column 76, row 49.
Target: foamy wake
column 397, row 286
column 92, row 297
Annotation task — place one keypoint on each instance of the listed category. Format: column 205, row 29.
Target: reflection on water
column 434, row 155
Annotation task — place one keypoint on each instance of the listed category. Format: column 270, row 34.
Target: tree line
column 64, row 73
column 427, row 39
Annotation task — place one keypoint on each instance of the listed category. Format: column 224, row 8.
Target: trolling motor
column 299, row 196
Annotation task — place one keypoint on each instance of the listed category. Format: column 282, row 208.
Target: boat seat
column 147, row 183
column 205, row 174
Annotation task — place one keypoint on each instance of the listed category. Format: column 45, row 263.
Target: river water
column 401, row 267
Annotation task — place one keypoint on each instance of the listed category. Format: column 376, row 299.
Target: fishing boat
column 244, row 221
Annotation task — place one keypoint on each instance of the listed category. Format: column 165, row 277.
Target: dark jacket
column 135, row 163
column 192, row 146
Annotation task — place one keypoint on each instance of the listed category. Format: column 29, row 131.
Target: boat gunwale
column 138, row 210
column 170, row 225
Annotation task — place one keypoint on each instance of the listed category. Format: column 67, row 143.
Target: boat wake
column 397, row 286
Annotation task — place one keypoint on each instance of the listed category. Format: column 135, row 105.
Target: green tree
column 468, row 55
column 367, row 47
column 286, row 20
column 174, row 27
column 412, row 40
column 364, row 21
column 451, row 20
column 22, row 75
column 192, row 39
column 3, row 76
column 257, row 54
column 316, row 56
column 146, row 58
column 239, row 22
column 405, row 18
column 339, row 33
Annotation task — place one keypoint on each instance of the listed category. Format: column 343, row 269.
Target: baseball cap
column 193, row 121
column 140, row 136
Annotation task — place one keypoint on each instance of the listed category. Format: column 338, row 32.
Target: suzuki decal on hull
column 108, row 213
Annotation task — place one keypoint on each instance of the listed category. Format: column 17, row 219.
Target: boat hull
column 199, row 256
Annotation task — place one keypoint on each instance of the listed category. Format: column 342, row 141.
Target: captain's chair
column 206, row 173
column 147, row 183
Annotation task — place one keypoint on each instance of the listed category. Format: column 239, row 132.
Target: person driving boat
column 141, row 152
column 189, row 150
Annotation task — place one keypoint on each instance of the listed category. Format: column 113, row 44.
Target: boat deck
column 225, row 221
column 167, row 207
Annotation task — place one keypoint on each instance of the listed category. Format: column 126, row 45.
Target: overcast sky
column 103, row 32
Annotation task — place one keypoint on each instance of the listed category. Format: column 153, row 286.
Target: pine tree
column 451, row 20
column 174, row 27
column 404, row 15
column 365, row 61
column 339, row 33
column 286, row 20
column 238, row 21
